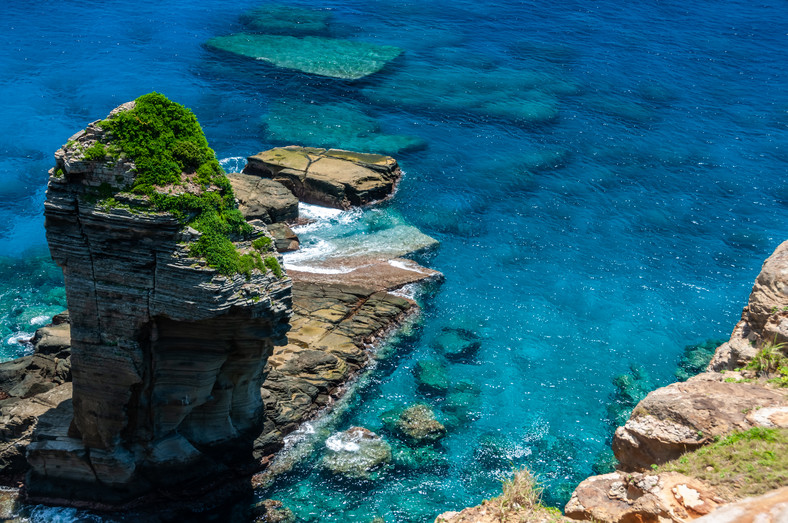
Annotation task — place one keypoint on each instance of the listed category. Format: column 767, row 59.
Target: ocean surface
column 605, row 179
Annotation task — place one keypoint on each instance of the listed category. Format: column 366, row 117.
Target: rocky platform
column 328, row 177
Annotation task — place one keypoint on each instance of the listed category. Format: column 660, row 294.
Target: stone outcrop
column 329, row 177
column 333, row 326
column 167, row 354
column 356, row 453
column 685, row 416
column 764, row 319
column 263, row 199
column 771, row 507
column 619, row 496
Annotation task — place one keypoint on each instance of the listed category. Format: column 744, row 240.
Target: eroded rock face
column 764, row 319
column 685, row 416
column 329, row 177
column 167, row 354
column 263, row 199
column 771, row 507
column 620, row 497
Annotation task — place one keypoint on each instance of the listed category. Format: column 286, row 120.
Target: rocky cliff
column 174, row 313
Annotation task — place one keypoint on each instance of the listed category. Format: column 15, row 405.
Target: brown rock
column 378, row 274
column 684, row 416
column 330, row 177
column 771, row 507
column 285, row 240
column 647, row 498
column 263, row 199
column 764, row 319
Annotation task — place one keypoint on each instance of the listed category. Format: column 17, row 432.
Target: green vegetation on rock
column 179, row 174
column 742, row 464
column 95, row 152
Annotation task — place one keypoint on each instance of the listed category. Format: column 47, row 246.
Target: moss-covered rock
column 416, row 424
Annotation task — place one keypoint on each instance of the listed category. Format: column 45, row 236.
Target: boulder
column 457, row 344
column 263, row 199
column 620, row 497
column 356, row 453
column 272, row 511
column 764, row 319
column 771, row 507
column 684, row 416
column 285, row 240
column 328, row 177
column 344, row 59
column 416, row 424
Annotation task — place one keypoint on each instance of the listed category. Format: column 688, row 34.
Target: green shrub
column 95, row 152
column 272, row 263
column 262, row 244
column 769, row 358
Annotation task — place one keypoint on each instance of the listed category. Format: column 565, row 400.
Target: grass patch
column 521, row 500
column 742, row 464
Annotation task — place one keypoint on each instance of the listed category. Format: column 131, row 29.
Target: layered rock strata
column 167, row 355
column 329, row 177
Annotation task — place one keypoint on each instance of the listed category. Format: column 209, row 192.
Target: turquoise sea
column 605, row 179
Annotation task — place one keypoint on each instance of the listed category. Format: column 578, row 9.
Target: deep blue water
column 605, row 179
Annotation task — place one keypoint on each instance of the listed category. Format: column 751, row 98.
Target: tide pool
column 605, row 180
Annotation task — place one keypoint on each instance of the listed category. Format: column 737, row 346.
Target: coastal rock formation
column 263, row 199
column 332, row 328
column 416, row 424
column 329, row 177
column 771, row 507
column 685, row 416
column 356, row 453
column 624, row 497
column 764, row 319
column 168, row 353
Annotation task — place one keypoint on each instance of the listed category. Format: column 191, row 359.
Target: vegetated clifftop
column 174, row 311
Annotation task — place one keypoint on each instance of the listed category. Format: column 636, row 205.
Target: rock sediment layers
column 167, row 354
column 329, row 177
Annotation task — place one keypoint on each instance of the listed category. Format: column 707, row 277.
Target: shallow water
column 605, row 182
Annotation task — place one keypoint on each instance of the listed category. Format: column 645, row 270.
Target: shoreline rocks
column 328, row 177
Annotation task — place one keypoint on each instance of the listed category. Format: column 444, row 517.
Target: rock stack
column 167, row 353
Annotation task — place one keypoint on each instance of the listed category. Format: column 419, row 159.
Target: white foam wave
column 18, row 338
column 319, row 250
column 322, row 217
column 40, row 320
column 337, row 442
column 318, row 270
column 233, row 164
